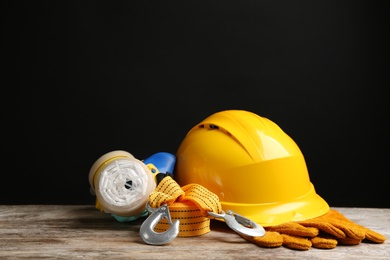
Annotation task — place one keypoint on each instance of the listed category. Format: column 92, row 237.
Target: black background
column 82, row 78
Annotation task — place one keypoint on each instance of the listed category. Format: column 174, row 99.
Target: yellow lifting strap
column 189, row 204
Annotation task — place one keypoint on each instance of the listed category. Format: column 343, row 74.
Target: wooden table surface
column 83, row 232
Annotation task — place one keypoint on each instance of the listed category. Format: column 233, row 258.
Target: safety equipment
column 186, row 212
column 323, row 232
column 252, row 165
column 189, row 204
column 122, row 185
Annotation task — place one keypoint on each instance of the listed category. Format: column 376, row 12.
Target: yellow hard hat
column 253, row 166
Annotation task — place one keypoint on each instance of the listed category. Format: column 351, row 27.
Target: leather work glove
column 324, row 232
column 291, row 235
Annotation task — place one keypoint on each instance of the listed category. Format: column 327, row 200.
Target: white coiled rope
column 122, row 183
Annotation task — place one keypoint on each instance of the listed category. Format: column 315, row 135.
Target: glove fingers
column 324, row 226
column 374, row 236
column 323, row 242
column 294, row 229
column 337, row 225
column 270, row 239
column 354, row 230
column 298, row 243
column 349, row 241
column 350, row 229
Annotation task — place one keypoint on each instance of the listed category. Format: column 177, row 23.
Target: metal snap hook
column 152, row 237
column 240, row 224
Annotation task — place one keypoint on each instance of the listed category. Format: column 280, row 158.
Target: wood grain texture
column 83, row 232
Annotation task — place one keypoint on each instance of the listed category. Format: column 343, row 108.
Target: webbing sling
column 189, row 204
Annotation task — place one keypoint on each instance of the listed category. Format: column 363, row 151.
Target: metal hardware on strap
column 152, row 237
column 240, row 224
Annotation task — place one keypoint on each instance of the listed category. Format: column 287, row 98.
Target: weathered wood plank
column 72, row 232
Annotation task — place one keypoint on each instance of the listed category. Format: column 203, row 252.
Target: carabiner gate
column 152, row 237
column 240, row 224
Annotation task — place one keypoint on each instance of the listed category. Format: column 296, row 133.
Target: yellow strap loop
column 189, row 204
column 166, row 192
